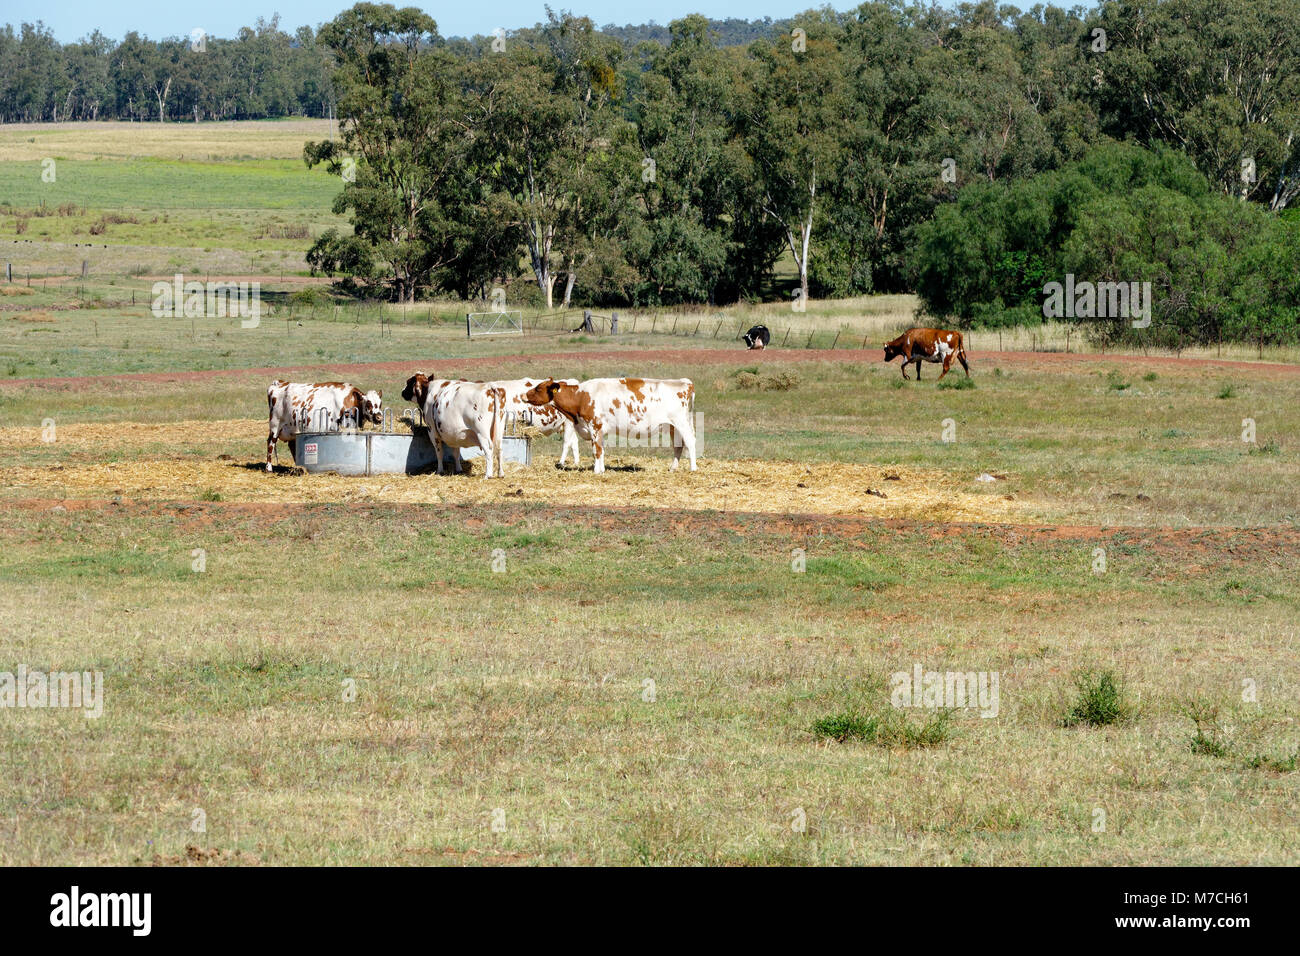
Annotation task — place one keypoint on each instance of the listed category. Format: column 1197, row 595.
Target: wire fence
column 303, row 305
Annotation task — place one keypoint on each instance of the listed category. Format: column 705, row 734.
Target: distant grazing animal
column 461, row 414
column 758, row 337
column 627, row 408
column 927, row 345
column 296, row 407
column 545, row 418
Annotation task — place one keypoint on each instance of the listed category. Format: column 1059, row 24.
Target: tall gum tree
column 793, row 128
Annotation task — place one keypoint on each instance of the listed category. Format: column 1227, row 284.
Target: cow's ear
column 379, row 392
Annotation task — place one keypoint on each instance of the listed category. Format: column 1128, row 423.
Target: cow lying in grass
column 628, row 408
column 927, row 345
column 296, row 407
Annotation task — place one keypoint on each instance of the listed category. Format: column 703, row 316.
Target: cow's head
column 892, row 351
column 563, row 396
column 543, row 393
column 372, row 406
column 417, row 389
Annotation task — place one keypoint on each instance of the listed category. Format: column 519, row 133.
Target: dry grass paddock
column 888, row 491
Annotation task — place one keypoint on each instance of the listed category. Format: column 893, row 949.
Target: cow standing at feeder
column 928, row 345
column 296, row 407
column 461, row 414
column 628, row 408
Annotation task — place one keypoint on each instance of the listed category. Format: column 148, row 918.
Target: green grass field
column 633, row 668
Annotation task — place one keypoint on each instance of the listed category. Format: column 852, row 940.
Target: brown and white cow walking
column 461, row 414
column 296, row 407
column 928, row 345
column 601, row 408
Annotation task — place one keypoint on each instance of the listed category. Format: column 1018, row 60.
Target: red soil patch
column 980, row 362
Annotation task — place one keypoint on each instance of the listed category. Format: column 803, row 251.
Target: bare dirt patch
column 981, row 362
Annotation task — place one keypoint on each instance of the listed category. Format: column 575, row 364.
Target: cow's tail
column 498, row 399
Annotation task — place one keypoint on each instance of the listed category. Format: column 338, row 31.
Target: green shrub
column 1099, row 700
column 892, row 728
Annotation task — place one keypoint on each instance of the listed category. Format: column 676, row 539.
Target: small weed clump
column 888, row 729
column 1099, row 700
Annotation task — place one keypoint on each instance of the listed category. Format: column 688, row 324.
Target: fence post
column 836, row 339
column 613, row 323
column 467, row 335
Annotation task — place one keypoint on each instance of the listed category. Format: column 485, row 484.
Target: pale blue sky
column 72, row 19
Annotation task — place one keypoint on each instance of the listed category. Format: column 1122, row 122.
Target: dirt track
column 980, row 361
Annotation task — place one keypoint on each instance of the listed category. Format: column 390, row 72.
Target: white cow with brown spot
column 628, row 408
column 461, row 414
column 296, row 407
column 546, row 418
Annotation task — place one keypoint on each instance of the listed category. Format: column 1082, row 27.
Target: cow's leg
column 488, row 454
column 947, row 364
column 687, row 436
column 437, row 452
column 961, row 357
column 570, row 443
column 598, row 449
column 918, row 369
column 270, row 449
column 678, row 444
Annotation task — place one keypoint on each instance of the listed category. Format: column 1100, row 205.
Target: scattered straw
column 885, row 490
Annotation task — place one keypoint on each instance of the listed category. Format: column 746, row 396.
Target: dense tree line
column 968, row 154
column 262, row 72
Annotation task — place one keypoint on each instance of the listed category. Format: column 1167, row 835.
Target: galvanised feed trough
column 348, row 451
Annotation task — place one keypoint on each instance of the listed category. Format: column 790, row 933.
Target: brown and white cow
column 928, row 345
column 296, row 407
column 545, row 418
column 461, row 414
column 601, row 408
